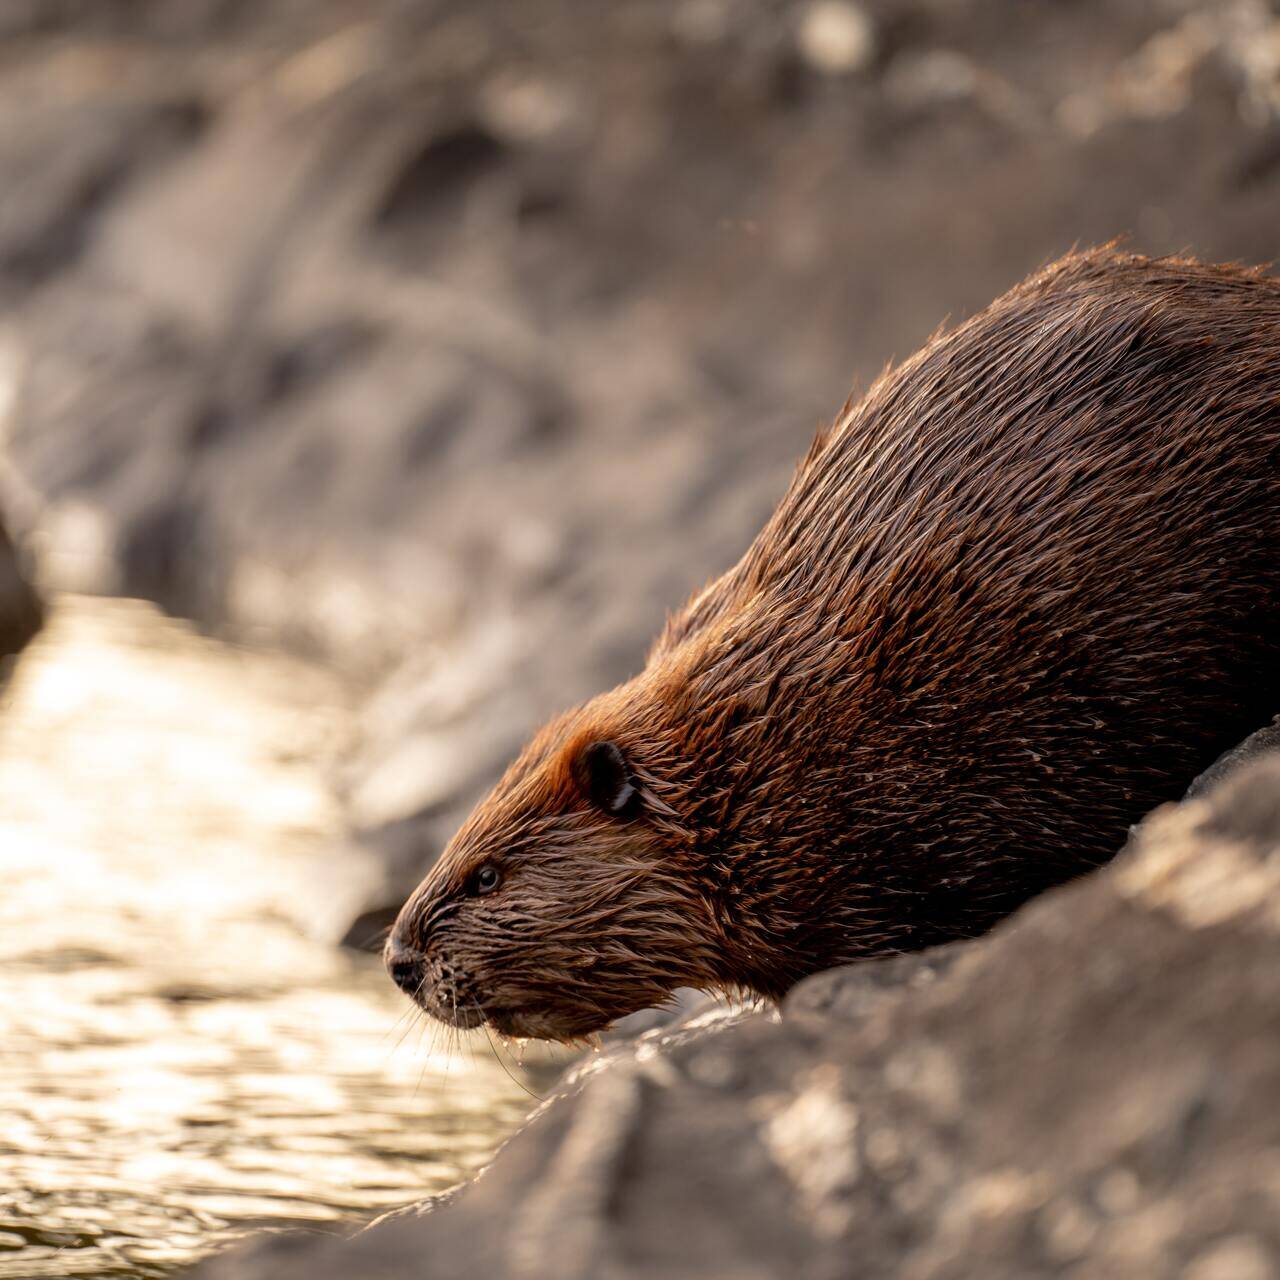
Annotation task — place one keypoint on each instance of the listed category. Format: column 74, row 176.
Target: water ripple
column 183, row 1053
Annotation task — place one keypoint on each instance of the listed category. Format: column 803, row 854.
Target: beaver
column 1022, row 592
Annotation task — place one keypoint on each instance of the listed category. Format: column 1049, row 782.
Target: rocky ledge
column 1090, row 1091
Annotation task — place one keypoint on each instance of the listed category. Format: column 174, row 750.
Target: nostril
column 406, row 972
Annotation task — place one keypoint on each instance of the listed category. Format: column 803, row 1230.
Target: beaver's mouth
column 571, row 1028
column 466, row 1012
column 518, row 1024
column 510, row 1023
column 465, row 1016
column 513, row 1024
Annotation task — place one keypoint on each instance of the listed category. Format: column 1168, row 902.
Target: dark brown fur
column 1017, row 596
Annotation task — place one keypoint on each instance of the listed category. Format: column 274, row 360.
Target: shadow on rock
column 21, row 613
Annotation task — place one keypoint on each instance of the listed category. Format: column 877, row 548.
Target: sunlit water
column 183, row 1052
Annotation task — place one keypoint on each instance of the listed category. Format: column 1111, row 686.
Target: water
column 183, row 1052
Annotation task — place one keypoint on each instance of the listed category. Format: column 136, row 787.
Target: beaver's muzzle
column 406, row 967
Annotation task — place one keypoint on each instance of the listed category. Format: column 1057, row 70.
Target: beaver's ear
column 604, row 778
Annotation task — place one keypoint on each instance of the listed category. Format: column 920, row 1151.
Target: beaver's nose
column 405, row 968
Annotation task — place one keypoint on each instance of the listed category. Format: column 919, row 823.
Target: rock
column 1089, row 1091
column 20, row 609
column 65, row 165
column 1267, row 739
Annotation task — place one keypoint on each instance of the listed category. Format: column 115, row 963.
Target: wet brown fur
column 1018, row 595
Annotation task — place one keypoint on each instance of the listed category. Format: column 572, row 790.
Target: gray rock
column 1267, row 739
column 1092, row 1090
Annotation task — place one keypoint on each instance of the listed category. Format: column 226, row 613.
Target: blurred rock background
column 457, row 342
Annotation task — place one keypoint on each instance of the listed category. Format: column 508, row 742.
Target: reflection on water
column 182, row 1053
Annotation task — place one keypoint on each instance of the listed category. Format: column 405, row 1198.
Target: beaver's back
column 1021, row 593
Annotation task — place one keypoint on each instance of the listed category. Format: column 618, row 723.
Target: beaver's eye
column 603, row 778
column 484, row 880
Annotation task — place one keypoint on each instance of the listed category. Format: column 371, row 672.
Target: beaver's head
column 566, row 901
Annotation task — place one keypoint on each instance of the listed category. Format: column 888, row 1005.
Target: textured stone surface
column 460, row 353
column 1093, row 1090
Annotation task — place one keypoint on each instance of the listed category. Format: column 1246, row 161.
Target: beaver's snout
column 406, row 968
column 431, row 983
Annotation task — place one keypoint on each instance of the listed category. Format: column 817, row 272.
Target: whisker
column 493, row 1046
column 402, row 1025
